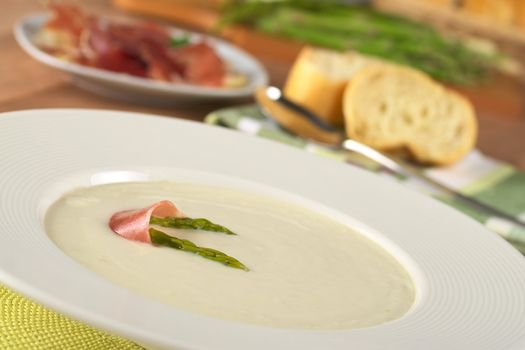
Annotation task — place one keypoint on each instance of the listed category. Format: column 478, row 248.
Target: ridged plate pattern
column 470, row 283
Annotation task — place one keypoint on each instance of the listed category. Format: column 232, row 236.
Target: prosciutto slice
column 202, row 64
column 139, row 49
column 134, row 224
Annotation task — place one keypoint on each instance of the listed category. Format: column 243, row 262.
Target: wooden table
column 26, row 83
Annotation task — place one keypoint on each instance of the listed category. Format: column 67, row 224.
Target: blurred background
column 474, row 46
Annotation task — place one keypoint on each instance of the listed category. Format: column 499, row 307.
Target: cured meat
column 203, row 65
column 134, row 224
column 139, row 49
column 106, row 51
column 68, row 18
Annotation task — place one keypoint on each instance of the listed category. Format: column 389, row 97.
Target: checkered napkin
column 485, row 179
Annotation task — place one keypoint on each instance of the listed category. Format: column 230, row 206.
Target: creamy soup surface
column 307, row 271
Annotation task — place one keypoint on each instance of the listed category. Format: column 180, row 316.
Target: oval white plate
column 469, row 281
column 136, row 89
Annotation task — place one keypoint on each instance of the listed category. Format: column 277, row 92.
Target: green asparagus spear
column 425, row 50
column 160, row 238
column 332, row 25
column 189, row 223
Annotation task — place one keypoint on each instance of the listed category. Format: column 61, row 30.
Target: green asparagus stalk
column 329, row 24
column 354, row 23
column 189, row 223
column 422, row 49
column 160, row 238
column 312, row 36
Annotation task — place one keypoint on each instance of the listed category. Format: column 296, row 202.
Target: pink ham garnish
column 138, row 49
column 202, row 65
column 134, row 224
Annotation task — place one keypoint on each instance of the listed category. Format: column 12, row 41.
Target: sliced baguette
column 390, row 107
column 498, row 11
column 318, row 78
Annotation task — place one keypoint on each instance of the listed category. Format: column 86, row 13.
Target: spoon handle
column 376, row 156
column 405, row 171
column 275, row 94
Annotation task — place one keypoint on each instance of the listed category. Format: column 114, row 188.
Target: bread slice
column 318, row 78
column 519, row 14
column 499, row 11
column 390, row 107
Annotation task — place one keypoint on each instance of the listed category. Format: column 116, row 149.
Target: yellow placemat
column 27, row 325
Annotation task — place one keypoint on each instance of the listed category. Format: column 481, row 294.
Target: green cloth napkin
column 488, row 180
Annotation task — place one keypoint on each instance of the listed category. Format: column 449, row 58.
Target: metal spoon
column 303, row 122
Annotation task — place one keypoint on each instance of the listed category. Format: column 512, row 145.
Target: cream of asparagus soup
column 298, row 268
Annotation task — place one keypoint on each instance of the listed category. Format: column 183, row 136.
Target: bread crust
column 311, row 84
column 415, row 116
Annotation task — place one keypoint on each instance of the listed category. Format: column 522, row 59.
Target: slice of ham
column 68, row 18
column 202, row 65
column 108, row 52
column 134, row 224
column 138, row 49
